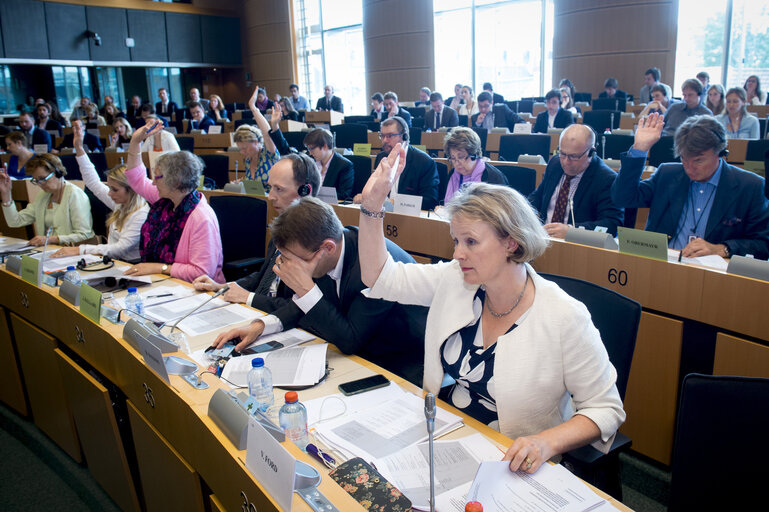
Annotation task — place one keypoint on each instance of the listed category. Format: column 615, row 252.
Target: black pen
column 161, row 295
column 680, row 255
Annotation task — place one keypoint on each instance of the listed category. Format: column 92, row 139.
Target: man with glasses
column 335, row 170
column 553, row 116
column 576, row 188
column 703, row 204
column 420, row 176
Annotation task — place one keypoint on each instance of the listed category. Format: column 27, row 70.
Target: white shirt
column 551, row 120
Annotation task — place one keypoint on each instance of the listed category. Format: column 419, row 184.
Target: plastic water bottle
column 293, row 421
column 260, row 384
column 473, row 506
column 72, row 275
column 134, row 303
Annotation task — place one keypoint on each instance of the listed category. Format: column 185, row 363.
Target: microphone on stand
column 430, row 417
column 571, row 212
column 41, row 270
column 222, row 291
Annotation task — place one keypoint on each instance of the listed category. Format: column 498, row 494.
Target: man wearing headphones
column 420, row 177
column 703, row 204
column 292, row 177
column 691, row 106
column 576, row 187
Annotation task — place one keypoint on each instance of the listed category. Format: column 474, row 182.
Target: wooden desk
column 330, row 117
column 433, row 141
column 179, row 450
column 759, row 110
column 376, row 142
column 213, row 140
column 120, row 157
column 291, row 126
column 738, row 149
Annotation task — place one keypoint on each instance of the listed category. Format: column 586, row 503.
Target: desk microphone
column 41, row 271
column 571, row 211
column 222, row 291
column 603, row 143
column 430, row 417
column 236, row 170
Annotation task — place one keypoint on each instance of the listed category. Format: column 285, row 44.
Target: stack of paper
column 551, row 488
column 118, row 272
column 55, row 264
column 170, row 312
column 384, row 428
column 161, row 295
column 13, row 245
column 211, row 320
column 298, row 366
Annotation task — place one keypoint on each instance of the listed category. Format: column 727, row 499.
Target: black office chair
column 766, row 174
column 756, row 150
column 535, row 99
column 610, row 104
column 615, row 145
column 70, row 163
column 99, row 213
column 362, row 168
column 358, row 119
column 513, row 105
column 720, row 449
column 186, row 143
column 483, row 134
column 417, row 122
column 346, row 135
column 762, row 127
column 525, row 106
column 374, row 126
column 217, row 169
column 247, row 114
column 583, row 96
column 512, row 146
column 230, row 107
column 295, row 139
column 662, row 152
column 415, row 136
column 616, row 317
column 240, row 122
column 415, row 112
column 243, row 227
column 99, row 161
column 600, row 120
column 522, row 179
column 443, row 180
column 463, row 120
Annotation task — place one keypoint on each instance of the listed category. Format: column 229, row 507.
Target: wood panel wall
column 268, row 55
column 596, row 39
column 399, row 46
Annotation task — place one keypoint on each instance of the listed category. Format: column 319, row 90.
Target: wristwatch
column 164, row 268
column 727, row 252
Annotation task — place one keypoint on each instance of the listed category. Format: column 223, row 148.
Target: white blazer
column 549, row 367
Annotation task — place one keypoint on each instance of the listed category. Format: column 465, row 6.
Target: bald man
column 577, row 178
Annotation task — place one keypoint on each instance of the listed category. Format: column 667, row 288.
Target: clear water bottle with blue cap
column 72, row 275
column 134, row 304
column 260, row 384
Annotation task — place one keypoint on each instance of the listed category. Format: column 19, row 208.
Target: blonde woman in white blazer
column 60, row 205
column 549, row 383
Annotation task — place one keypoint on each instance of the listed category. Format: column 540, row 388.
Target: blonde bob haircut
column 248, row 133
column 135, row 202
column 507, row 212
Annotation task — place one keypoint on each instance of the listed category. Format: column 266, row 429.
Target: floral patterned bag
column 369, row 488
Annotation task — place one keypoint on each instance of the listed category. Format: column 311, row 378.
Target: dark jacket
column 402, row 113
column 205, row 124
column 562, row 119
column 449, row 118
column 340, row 175
column 504, row 117
column 419, row 177
column 40, row 137
column 171, row 108
column 739, row 216
column 593, row 205
column 618, row 94
column 90, row 141
column 52, row 125
column 334, row 104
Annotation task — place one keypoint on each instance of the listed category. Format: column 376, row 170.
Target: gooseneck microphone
column 430, row 417
column 222, row 291
column 41, row 270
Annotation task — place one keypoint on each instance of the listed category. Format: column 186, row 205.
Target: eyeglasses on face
column 39, row 182
column 572, row 158
column 385, row 136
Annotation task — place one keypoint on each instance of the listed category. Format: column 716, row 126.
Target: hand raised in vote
column 143, row 133
column 247, row 335
column 206, row 284
column 648, row 132
column 296, row 272
column 5, row 186
column 78, row 134
column 252, row 99
column 277, row 114
column 381, row 181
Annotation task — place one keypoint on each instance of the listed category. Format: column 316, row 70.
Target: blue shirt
column 694, row 217
column 749, row 127
column 300, row 103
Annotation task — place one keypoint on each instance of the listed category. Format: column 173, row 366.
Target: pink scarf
column 457, row 180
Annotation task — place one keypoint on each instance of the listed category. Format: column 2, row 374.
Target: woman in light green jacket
column 60, row 205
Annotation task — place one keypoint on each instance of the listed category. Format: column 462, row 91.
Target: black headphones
column 53, row 164
column 721, row 140
column 473, row 157
column 106, row 261
column 305, row 189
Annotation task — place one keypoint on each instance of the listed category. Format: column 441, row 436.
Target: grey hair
column 507, row 212
column 248, row 133
column 462, row 138
column 699, row 134
column 181, row 170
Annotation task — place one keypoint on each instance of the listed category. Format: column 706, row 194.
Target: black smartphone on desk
column 362, row 385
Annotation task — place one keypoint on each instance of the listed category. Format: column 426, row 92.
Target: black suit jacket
column 402, row 113
column 41, row 137
column 503, row 118
column 449, row 118
column 51, row 125
column 593, row 205
column 497, row 99
column 419, row 177
column 340, row 175
column 171, row 108
column 90, row 141
column 334, row 104
column 263, row 302
column 562, row 119
column 618, row 94
column 204, row 125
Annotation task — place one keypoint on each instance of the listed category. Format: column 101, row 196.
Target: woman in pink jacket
column 181, row 235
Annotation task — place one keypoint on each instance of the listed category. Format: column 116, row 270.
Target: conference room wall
column 399, row 46
column 597, row 39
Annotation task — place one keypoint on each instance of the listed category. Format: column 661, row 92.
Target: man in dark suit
column 335, row 170
column 32, row 134
column 440, row 115
column 576, row 176
column 195, row 98
column 703, row 204
column 420, row 176
column 329, row 101
column 496, row 99
column 292, row 177
column 199, row 121
column 611, row 90
column 134, row 110
column 500, row 117
column 165, row 107
column 554, row 116
column 393, row 109
column 377, row 106
column 91, row 141
column 319, row 261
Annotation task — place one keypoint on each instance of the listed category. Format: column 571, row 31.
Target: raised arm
column 371, row 242
column 261, row 122
column 628, row 191
column 87, row 169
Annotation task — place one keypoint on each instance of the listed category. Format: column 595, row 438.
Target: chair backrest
column 415, row 136
column 522, row 179
column 217, row 169
column 583, row 96
column 720, row 448
column 186, row 143
column 483, row 134
column 443, row 180
column 99, row 213
column 525, row 105
column 662, row 151
column 513, row 105
column 615, row 144
column 615, row 316
column 512, row 146
column 241, row 240
column 347, row 134
column 610, row 104
column 362, row 166
column 70, row 163
column 464, row 120
column 600, row 120
column 757, row 149
column 358, row 119
column 240, row 122
column 415, row 111
column 295, row 139
column 99, row 161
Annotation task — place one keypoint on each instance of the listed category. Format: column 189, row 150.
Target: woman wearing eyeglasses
column 181, row 235
column 462, row 146
column 61, row 205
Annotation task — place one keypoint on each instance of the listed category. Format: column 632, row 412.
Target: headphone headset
column 721, row 141
column 51, row 164
column 106, row 261
column 305, row 189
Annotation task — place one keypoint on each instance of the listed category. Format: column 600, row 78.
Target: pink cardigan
column 200, row 248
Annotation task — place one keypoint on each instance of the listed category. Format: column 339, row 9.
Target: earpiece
column 305, row 189
column 106, row 261
column 473, row 157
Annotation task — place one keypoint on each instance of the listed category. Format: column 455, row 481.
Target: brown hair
column 47, row 161
column 307, row 222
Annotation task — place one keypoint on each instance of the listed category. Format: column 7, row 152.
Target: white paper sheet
column 551, row 489
column 153, row 296
column 710, row 261
column 174, row 310
column 297, row 366
column 212, row 320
